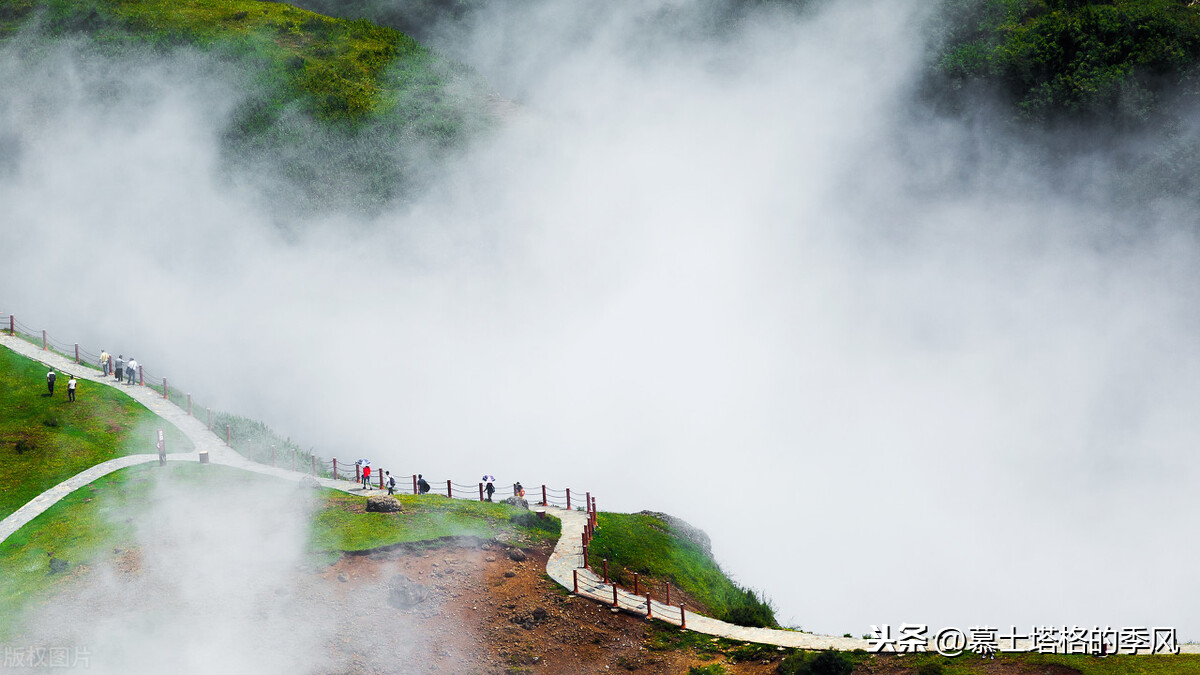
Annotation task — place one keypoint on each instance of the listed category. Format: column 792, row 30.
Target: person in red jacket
column 366, row 475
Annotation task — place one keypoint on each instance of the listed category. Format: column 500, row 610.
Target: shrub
column 747, row 609
column 824, row 663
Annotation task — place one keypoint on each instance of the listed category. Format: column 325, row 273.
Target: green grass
column 646, row 545
column 340, row 70
column 45, row 440
column 332, row 113
column 339, row 527
column 82, row 530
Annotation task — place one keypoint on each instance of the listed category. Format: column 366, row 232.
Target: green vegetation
column 340, row 69
column 341, row 524
column 331, row 112
column 1053, row 59
column 45, row 440
column 820, row 663
column 647, row 545
column 81, row 530
column 256, row 441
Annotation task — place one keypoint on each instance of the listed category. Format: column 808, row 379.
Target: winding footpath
column 565, row 565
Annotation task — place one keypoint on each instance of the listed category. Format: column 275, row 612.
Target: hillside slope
column 329, row 113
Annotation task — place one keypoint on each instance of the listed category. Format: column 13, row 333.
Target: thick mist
column 901, row 368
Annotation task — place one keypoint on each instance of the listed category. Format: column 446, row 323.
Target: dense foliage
column 1070, row 59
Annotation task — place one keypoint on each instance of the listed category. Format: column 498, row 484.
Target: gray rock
column 684, row 530
column 517, row 555
column 517, row 501
column 58, row 566
column 404, row 593
column 309, row 482
column 383, row 504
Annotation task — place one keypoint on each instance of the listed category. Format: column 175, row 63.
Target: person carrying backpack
column 391, row 482
column 422, row 485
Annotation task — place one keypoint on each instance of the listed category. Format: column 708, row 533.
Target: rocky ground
column 483, row 611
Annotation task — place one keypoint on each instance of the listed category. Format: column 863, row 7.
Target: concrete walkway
column 194, row 429
column 567, row 560
column 564, row 561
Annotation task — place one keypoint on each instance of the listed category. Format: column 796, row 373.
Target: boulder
column 309, row 482
column 517, row 555
column 517, row 501
column 383, row 504
column 58, row 566
column 404, row 593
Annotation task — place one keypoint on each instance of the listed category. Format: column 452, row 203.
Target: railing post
column 380, row 474
column 335, row 470
column 141, row 380
column 43, row 339
column 544, row 495
column 228, row 436
column 587, row 504
column 414, row 483
column 649, row 610
column 682, row 616
column 668, row 592
column 575, row 574
column 606, row 570
column 165, row 395
column 568, row 499
column 481, row 492
column 76, row 353
column 636, row 590
column 12, row 325
column 614, row 595
column 585, row 556
column 449, row 493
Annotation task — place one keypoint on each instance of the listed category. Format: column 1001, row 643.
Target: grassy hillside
column 331, row 113
column 45, row 440
column 647, row 545
column 77, row 531
column 1053, row 60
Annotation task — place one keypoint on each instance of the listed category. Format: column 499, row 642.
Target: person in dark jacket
column 422, row 484
column 50, row 377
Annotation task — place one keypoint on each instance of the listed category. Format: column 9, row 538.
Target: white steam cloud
column 900, row 369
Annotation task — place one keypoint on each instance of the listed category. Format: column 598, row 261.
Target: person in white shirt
column 131, row 371
column 71, row 389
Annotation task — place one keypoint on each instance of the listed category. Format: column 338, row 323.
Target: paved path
column 565, row 561
column 194, row 429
